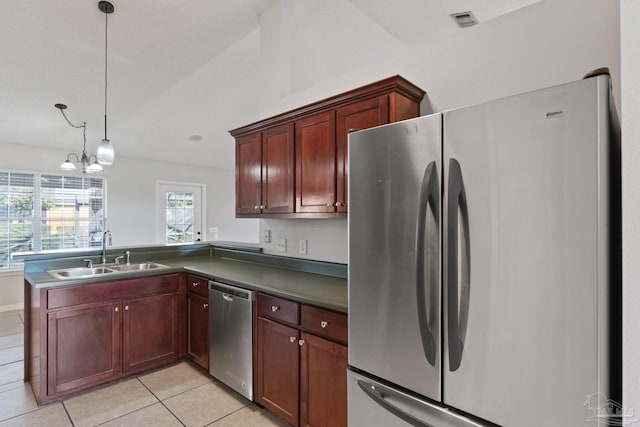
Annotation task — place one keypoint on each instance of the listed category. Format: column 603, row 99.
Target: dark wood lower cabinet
column 74, row 363
column 301, row 362
column 198, row 329
column 149, row 334
column 323, row 382
column 81, row 336
column 278, row 358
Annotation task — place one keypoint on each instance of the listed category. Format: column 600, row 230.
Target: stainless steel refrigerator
column 484, row 264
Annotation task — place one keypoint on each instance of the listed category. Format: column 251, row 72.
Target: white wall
column 131, row 194
column 545, row 44
column 630, row 65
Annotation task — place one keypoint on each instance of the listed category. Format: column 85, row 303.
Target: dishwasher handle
column 231, row 291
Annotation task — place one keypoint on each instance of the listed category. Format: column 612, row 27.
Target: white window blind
column 49, row 212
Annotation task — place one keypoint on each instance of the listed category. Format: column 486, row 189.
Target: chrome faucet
column 104, row 245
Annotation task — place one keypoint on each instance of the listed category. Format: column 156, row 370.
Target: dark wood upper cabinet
column 248, row 173
column 314, row 170
column 277, row 170
column 361, row 115
column 316, row 163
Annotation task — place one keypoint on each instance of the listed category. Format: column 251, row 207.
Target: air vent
column 464, row 19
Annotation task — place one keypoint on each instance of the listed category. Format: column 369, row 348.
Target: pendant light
column 105, row 152
column 87, row 166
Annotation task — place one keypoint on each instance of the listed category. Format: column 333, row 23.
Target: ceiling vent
column 464, row 19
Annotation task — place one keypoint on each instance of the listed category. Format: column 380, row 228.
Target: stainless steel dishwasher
column 231, row 336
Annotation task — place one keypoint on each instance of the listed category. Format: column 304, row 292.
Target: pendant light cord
column 106, row 24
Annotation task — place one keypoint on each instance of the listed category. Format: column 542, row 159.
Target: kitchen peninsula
column 84, row 332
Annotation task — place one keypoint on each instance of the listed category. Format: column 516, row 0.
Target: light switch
column 266, row 236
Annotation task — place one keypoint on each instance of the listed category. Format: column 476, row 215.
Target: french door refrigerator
column 484, row 264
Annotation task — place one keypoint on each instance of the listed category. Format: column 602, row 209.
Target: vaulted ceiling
column 178, row 71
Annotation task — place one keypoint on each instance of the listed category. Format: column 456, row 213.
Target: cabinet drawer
column 198, row 285
column 105, row 291
column 324, row 323
column 278, row 309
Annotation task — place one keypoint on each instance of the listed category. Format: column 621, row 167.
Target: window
column 180, row 213
column 48, row 212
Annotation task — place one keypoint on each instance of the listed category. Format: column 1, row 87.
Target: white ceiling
column 172, row 73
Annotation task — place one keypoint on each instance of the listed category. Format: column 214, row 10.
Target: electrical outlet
column 302, row 247
column 266, row 236
column 281, row 244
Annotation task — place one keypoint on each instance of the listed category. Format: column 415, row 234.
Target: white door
column 179, row 212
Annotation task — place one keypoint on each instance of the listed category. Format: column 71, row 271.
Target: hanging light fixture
column 105, row 152
column 105, row 149
column 85, row 160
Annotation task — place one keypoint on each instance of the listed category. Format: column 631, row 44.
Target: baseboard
column 11, row 307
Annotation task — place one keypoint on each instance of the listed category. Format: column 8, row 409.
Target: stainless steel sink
column 80, row 272
column 87, row 272
column 136, row 267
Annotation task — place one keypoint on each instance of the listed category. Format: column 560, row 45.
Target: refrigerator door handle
column 376, row 394
column 457, row 305
column 429, row 200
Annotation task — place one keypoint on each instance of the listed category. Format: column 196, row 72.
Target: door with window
column 180, row 217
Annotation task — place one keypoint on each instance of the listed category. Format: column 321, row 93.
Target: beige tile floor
column 179, row 395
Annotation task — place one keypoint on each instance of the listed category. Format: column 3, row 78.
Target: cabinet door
column 198, row 329
column 249, row 174
column 277, row 170
column 361, row 115
column 83, row 347
column 277, row 371
column 316, row 163
column 323, row 383
column 150, row 331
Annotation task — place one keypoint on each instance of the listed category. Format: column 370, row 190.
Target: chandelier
column 105, row 152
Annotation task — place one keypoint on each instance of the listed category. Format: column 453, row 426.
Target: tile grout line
column 229, row 414
column 68, row 414
column 161, row 402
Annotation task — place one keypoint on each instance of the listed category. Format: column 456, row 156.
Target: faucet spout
column 104, row 245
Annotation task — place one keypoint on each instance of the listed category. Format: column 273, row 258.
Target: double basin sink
column 85, row 272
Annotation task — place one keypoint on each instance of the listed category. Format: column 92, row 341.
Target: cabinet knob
column 300, row 342
column 324, row 324
column 263, row 207
column 256, row 207
column 117, row 309
column 275, row 308
column 126, row 308
column 352, row 130
column 329, row 204
column 338, row 204
column 205, row 305
column 292, row 339
column 195, row 284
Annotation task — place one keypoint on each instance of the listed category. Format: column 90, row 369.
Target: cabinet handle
column 205, row 305
column 126, row 308
column 275, row 308
column 117, row 309
column 292, row 339
column 324, row 324
column 300, row 342
column 195, row 284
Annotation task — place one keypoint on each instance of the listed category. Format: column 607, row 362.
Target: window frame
column 37, row 218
